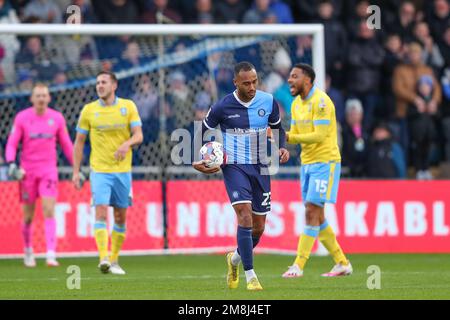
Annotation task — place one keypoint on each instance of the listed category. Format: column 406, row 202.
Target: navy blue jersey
column 244, row 126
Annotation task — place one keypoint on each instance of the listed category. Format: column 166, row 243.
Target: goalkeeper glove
column 15, row 172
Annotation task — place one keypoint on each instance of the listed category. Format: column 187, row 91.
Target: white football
column 212, row 152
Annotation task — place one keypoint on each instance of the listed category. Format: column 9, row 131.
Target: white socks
column 235, row 258
column 250, row 274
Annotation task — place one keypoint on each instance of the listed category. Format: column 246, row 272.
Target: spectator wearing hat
column 354, row 139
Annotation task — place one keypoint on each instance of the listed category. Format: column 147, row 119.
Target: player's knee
column 101, row 212
column 244, row 218
column 312, row 214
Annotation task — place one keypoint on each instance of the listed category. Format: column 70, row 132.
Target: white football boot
column 116, row 269
column 294, row 271
column 340, row 270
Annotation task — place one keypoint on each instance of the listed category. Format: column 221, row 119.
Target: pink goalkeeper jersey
column 39, row 134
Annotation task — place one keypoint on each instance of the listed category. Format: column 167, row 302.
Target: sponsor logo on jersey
column 234, row 116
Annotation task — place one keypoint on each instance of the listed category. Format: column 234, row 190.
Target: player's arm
column 275, row 126
column 321, row 122
column 64, row 141
column 211, row 121
column 83, row 128
column 136, row 134
column 12, row 144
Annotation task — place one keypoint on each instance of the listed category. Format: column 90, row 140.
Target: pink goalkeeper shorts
column 38, row 184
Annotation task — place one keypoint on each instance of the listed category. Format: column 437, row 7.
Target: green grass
column 203, row 277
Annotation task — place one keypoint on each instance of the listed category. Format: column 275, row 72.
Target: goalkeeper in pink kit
column 38, row 128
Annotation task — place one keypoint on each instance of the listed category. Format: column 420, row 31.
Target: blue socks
column 245, row 246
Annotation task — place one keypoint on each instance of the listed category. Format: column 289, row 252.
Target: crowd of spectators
column 391, row 86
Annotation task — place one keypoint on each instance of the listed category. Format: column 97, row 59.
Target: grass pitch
column 202, row 277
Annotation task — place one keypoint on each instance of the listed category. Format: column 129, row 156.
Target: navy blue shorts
column 246, row 184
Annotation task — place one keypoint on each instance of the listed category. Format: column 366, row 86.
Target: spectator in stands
column 34, row 58
column 354, row 139
column 230, row 11
column 445, row 112
column 260, row 13
column 179, row 98
column 404, row 82
column 307, row 9
column 439, row 19
column 204, row 13
column 146, row 98
column 404, row 23
column 282, row 11
column 335, row 42
column 25, row 80
column 303, row 51
column 60, row 78
column 385, row 156
column 117, row 11
column 203, row 100
column 276, row 84
column 395, row 55
column 445, row 46
column 358, row 14
column 365, row 58
column 431, row 54
column 47, row 11
column 147, row 101
column 31, row 52
column 8, row 42
column 131, row 57
column 421, row 125
column 160, row 13
column 337, row 97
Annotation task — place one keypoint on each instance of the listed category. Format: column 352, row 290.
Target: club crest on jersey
column 123, row 111
column 51, row 122
column 261, row 112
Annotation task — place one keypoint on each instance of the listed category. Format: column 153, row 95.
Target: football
column 212, row 152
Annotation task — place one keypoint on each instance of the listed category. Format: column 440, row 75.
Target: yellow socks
column 328, row 239
column 117, row 239
column 305, row 244
column 101, row 239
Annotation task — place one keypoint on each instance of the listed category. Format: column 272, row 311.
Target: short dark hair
column 244, row 65
column 307, row 69
column 109, row 73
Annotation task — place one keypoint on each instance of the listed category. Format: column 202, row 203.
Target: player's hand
column 15, row 172
column 284, row 155
column 201, row 166
column 77, row 180
column 122, row 151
